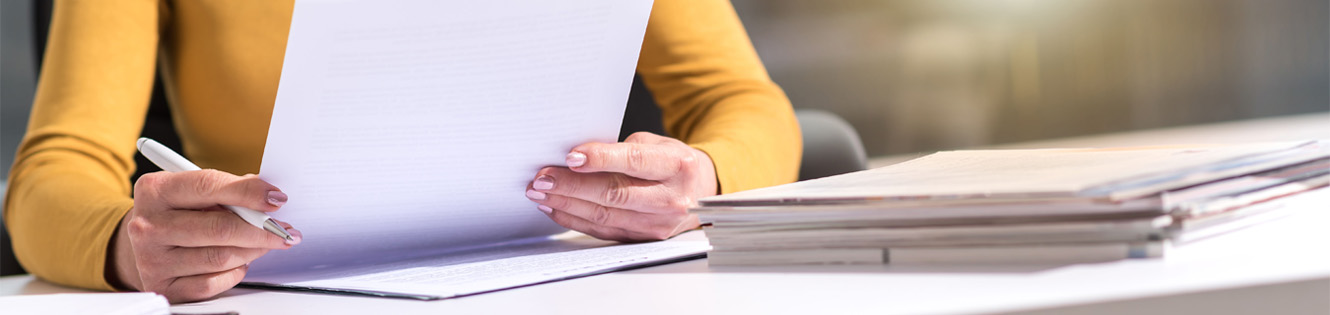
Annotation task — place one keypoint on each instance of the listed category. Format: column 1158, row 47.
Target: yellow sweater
column 221, row 60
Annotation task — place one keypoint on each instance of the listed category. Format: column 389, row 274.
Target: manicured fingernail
column 535, row 195
column 296, row 236
column 576, row 159
column 544, row 182
column 276, row 198
column 544, row 208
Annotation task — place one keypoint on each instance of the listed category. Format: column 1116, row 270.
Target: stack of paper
column 1014, row 206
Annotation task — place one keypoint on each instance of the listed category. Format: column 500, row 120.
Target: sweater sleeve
column 69, row 185
column 716, row 96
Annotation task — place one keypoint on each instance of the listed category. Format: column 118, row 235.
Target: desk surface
column 1282, row 265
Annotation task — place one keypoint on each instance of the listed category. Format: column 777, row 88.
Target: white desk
column 1278, row 267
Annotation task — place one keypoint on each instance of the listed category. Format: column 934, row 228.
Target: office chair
column 831, row 146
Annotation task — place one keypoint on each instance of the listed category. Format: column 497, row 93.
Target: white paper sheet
column 408, row 128
column 1044, row 173
column 87, row 303
column 486, row 269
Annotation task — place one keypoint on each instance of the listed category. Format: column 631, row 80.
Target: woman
column 76, row 221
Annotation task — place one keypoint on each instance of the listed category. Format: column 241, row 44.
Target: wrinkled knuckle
column 207, row 182
column 214, row 258
column 618, row 194
column 637, row 158
column 601, row 215
column 220, row 228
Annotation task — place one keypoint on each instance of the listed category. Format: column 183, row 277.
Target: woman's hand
column 637, row 190
column 179, row 242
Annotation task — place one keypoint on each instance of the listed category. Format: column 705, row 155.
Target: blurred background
column 927, row 75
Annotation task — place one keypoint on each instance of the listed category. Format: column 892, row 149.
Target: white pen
column 173, row 162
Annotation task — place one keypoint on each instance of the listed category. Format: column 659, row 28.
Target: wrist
column 707, row 181
column 121, row 270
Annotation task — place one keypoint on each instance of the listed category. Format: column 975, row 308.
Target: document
column 1015, row 206
column 1023, row 254
column 87, row 303
column 1101, row 174
column 408, row 129
column 493, row 267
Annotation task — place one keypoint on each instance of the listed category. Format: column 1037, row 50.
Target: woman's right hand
column 179, row 242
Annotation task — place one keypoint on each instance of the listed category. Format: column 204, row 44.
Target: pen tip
column 139, row 146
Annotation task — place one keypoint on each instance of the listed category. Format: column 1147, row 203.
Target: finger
column 610, row 190
column 598, row 231
column 203, row 286
column 205, row 188
column 296, row 235
column 604, row 216
column 184, row 261
column 210, row 228
column 645, row 161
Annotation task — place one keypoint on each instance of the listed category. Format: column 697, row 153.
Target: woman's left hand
column 636, row 190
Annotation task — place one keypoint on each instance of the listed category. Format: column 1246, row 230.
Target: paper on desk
column 1045, row 173
column 87, row 303
column 486, row 269
column 412, row 127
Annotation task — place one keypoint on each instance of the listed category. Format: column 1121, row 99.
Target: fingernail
column 535, row 195
column 576, row 159
column 544, row 208
column 276, row 198
column 296, row 236
column 544, row 182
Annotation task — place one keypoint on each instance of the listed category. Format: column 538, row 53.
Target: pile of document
column 1015, row 206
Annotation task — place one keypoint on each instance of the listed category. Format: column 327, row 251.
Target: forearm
column 61, row 217
column 748, row 128
column 753, row 140
column 69, row 185
column 716, row 96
